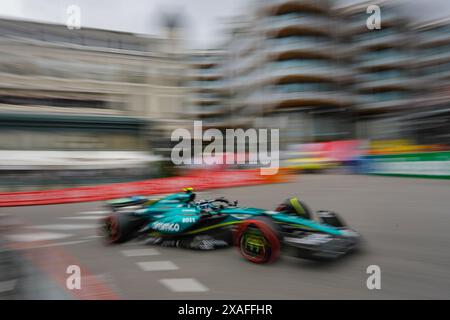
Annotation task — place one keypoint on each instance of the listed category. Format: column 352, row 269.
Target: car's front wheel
column 258, row 241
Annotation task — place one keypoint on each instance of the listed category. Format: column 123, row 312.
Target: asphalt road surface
column 405, row 223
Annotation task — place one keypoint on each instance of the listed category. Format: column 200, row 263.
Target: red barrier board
column 201, row 180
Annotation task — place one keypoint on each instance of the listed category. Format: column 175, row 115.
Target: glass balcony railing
column 442, row 68
column 310, row 96
column 301, row 63
column 296, row 20
column 433, row 39
column 377, row 37
column 307, row 66
column 436, row 34
column 205, row 97
column 298, row 43
column 384, row 83
column 382, row 97
column 437, row 52
column 206, row 73
column 304, row 71
column 306, row 91
column 303, row 87
column 386, row 58
column 375, row 34
column 382, row 75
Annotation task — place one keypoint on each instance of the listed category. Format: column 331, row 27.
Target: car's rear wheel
column 257, row 241
column 119, row 228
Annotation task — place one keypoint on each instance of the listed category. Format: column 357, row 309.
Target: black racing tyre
column 121, row 227
column 258, row 240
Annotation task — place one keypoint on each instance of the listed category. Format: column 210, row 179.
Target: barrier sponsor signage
column 200, row 180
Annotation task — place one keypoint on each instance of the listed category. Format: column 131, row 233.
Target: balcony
column 377, row 38
column 296, row 21
column 434, row 55
column 382, row 102
column 299, row 44
column 204, row 98
column 305, row 68
column 385, row 59
column 300, row 98
column 387, row 79
column 435, row 36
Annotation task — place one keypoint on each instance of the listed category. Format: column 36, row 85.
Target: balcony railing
column 279, row 45
column 296, row 20
column 303, row 68
column 378, row 60
column 391, row 38
column 400, row 82
column 314, row 97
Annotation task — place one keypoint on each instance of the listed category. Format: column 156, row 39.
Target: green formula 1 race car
column 179, row 220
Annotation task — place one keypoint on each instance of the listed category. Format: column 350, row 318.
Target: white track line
column 184, row 285
column 135, row 243
column 84, row 218
column 58, row 244
column 94, row 212
column 93, row 237
column 140, row 252
column 64, row 226
column 157, row 265
column 37, row 236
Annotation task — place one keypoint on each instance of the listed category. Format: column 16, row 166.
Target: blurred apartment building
column 381, row 61
column 204, row 80
column 280, row 69
column 401, row 74
column 313, row 69
column 72, row 91
column 431, row 122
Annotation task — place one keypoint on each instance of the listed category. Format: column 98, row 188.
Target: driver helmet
column 190, row 191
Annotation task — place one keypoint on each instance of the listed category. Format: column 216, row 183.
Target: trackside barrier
column 421, row 164
column 201, row 180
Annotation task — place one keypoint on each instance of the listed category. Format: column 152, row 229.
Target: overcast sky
column 202, row 17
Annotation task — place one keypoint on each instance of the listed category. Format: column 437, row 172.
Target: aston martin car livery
column 260, row 235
